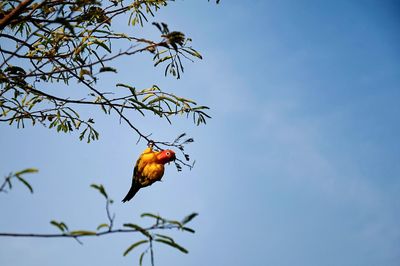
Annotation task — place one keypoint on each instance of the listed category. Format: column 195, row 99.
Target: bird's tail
column 132, row 191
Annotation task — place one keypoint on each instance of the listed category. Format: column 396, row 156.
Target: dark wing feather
column 135, row 185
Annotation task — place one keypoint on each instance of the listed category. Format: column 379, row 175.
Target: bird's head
column 166, row 156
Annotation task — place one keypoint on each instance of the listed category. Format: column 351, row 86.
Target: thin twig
column 151, row 252
column 107, row 101
column 6, row 180
column 66, row 235
column 110, row 219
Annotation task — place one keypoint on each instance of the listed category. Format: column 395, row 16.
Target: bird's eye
column 168, row 154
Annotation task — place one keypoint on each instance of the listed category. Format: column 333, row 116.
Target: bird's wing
column 137, row 178
column 145, row 158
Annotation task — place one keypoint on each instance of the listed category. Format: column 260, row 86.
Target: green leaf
column 102, row 226
column 179, row 137
column 62, row 226
column 82, row 233
column 138, row 228
column 102, row 44
column 82, row 135
column 192, row 52
column 201, row 108
column 26, row 171
column 101, row 189
column 190, row 140
column 134, row 245
column 142, row 105
column 189, row 218
column 148, row 96
column 172, row 244
column 162, row 60
column 141, row 258
column 163, row 98
column 132, row 89
column 152, row 216
column 185, row 100
column 23, row 181
column 176, row 223
column 165, row 237
column 108, row 69
column 188, row 229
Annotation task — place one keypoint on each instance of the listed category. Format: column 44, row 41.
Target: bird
column 149, row 168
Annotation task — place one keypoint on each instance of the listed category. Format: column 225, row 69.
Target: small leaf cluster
column 180, row 143
column 161, row 103
column 18, row 107
column 20, row 176
column 171, row 49
column 141, row 9
column 150, row 233
column 150, row 238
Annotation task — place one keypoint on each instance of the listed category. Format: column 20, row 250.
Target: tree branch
column 15, row 39
column 89, row 233
column 107, row 101
column 14, row 13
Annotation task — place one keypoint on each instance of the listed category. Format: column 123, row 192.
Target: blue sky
column 299, row 165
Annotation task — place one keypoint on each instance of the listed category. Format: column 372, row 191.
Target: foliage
column 150, row 233
column 50, row 48
column 71, row 43
column 7, row 183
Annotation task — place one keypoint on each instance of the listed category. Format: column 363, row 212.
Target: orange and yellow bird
column 149, row 168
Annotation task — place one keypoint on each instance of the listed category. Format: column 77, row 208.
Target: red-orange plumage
column 149, row 168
